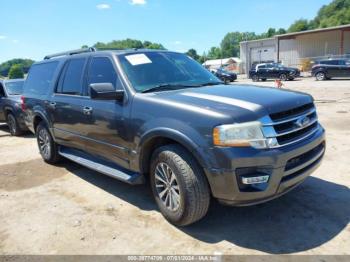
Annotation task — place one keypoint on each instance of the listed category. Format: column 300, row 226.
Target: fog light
column 255, row 180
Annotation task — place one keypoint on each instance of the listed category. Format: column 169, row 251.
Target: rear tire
column 47, row 147
column 263, row 79
column 320, row 76
column 255, row 78
column 179, row 185
column 12, row 123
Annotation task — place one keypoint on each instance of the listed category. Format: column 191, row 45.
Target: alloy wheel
column 12, row 124
column 44, row 143
column 167, row 186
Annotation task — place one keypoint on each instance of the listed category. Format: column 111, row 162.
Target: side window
column 40, row 78
column 72, row 81
column 101, row 70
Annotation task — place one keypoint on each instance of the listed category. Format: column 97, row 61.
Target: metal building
column 298, row 49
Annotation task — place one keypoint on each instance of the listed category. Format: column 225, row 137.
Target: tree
column 334, row 14
column 214, row 53
column 25, row 64
column 16, row 72
column 193, row 53
column 299, row 25
column 127, row 44
column 230, row 44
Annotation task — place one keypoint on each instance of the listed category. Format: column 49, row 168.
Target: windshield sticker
column 138, row 59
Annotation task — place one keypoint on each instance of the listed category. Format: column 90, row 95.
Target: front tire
column 13, row 125
column 320, row 76
column 179, row 185
column 283, row 77
column 47, row 147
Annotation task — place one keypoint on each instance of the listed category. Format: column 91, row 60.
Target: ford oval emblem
column 303, row 121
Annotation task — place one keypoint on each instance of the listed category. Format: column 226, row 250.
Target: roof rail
column 71, row 52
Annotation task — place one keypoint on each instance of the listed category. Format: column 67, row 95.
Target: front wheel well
column 150, row 146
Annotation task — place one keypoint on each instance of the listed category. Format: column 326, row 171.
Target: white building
column 298, row 49
column 231, row 64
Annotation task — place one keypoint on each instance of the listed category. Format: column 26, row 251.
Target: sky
column 35, row 28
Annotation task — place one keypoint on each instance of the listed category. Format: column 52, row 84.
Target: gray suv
column 159, row 115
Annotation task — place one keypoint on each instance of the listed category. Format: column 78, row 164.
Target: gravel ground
column 68, row 209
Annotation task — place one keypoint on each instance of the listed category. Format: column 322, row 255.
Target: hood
column 241, row 102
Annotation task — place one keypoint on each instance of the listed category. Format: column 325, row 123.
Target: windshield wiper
column 164, row 87
column 209, row 84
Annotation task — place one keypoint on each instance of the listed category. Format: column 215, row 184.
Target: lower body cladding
column 256, row 176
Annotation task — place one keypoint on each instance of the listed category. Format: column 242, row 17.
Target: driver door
column 106, row 132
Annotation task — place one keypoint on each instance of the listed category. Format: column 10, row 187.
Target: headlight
column 241, row 135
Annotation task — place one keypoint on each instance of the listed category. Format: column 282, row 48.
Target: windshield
column 14, row 88
column 150, row 69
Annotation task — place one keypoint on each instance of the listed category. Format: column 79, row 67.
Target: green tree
column 214, row 53
column 334, row 14
column 299, row 25
column 16, row 72
column 126, row 44
column 193, row 53
column 25, row 64
column 230, row 44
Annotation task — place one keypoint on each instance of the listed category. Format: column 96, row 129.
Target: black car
column 225, row 75
column 159, row 115
column 273, row 71
column 10, row 105
column 327, row 69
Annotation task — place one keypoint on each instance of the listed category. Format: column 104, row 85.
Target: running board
column 101, row 166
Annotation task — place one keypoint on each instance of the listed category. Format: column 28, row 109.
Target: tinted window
column 14, row 88
column 73, row 77
column 101, row 70
column 146, row 70
column 40, row 78
column 329, row 62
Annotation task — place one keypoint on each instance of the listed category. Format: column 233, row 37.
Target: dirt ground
column 68, row 209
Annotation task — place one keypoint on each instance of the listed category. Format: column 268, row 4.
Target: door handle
column 87, row 110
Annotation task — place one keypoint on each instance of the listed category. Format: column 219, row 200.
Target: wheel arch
column 160, row 137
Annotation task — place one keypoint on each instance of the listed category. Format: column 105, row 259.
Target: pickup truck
column 273, row 71
column 10, row 109
column 156, row 115
column 328, row 69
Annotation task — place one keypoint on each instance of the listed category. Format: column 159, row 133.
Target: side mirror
column 105, row 91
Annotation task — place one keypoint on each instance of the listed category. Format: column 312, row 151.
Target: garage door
column 262, row 55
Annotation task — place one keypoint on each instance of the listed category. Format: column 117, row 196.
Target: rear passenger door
column 67, row 105
column 106, row 132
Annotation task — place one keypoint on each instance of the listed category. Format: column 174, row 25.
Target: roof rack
column 71, row 52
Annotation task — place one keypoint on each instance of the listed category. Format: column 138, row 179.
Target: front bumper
column 287, row 167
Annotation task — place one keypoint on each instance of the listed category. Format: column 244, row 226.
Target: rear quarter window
column 40, row 78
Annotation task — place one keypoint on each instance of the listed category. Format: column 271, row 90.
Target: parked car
column 159, row 115
column 225, row 76
column 273, row 71
column 10, row 105
column 327, row 69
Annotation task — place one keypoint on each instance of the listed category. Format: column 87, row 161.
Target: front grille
column 292, row 125
column 291, row 112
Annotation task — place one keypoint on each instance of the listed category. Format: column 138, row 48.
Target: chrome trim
column 299, row 139
column 290, row 119
column 297, row 129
